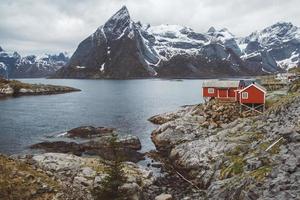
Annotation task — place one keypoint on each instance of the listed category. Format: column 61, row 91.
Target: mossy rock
column 235, row 167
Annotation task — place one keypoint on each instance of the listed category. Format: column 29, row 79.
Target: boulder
column 132, row 191
column 127, row 147
column 89, row 131
column 6, row 90
column 59, row 147
column 130, row 141
column 163, row 197
column 164, row 118
column 59, row 162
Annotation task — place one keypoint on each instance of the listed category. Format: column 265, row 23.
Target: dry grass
column 20, row 181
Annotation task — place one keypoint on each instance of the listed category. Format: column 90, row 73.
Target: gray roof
column 221, row 83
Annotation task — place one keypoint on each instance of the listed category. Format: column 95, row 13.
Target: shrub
column 109, row 189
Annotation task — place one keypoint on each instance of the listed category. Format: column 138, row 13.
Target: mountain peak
column 123, row 13
column 282, row 23
column 211, row 29
column 118, row 23
column 1, row 49
column 280, row 29
column 279, row 26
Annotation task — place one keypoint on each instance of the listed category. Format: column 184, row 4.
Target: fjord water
column 122, row 104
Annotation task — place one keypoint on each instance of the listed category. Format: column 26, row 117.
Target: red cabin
column 252, row 94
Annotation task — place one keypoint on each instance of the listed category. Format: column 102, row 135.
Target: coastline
column 14, row 88
column 237, row 156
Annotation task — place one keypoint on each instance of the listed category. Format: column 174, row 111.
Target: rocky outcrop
column 18, row 88
column 78, row 177
column 89, row 131
column 96, row 141
column 191, row 122
column 247, row 158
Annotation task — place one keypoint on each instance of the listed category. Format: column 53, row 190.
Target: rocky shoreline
column 205, row 151
column 14, row 88
column 248, row 158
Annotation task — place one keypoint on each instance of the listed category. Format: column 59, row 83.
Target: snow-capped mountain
column 278, row 45
column 12, row 65
column 122, row 48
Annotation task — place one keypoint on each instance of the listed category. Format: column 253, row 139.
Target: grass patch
column 260, row 173
column 256, row 136
column 97, row 164
column 235, row 167
column 238, row 150
column 274, row 150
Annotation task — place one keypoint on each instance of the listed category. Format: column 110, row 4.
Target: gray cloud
column 51, row 26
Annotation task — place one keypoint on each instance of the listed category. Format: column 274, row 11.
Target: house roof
column 258, row 86
column 221, row 83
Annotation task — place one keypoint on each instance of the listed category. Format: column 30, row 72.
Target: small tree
column 109, row 189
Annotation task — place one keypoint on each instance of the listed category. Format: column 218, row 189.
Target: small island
column 17, row 88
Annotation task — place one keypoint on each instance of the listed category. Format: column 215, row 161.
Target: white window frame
column 245, row 95
column 211, row 90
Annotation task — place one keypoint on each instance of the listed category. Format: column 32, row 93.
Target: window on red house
column 244, row 95
column 211, row 90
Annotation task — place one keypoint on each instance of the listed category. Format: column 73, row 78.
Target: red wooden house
column 223, row 90
column 248, row 94
column 252, row 97
column 252, row 94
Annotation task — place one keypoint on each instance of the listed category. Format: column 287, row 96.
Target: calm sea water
column 122, row 104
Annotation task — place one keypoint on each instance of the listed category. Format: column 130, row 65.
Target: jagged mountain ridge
column 122, row 48
column 13, row 65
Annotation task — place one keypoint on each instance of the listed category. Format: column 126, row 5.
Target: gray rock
column 88, row 172
column 79, row 180
column 132, row 191
column 253, row 163
column 163, row 197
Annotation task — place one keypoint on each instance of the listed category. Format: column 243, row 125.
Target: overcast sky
column 51, row 26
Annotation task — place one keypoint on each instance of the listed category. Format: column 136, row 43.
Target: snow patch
column 80, row 67
column 3, row 66
column 102, row 67
column 290, row 62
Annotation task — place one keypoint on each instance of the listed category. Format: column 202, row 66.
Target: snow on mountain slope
column 281, row 41
column 171, row 40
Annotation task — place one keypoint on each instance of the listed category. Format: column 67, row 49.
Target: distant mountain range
column 122, row 48
column 13, row 65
